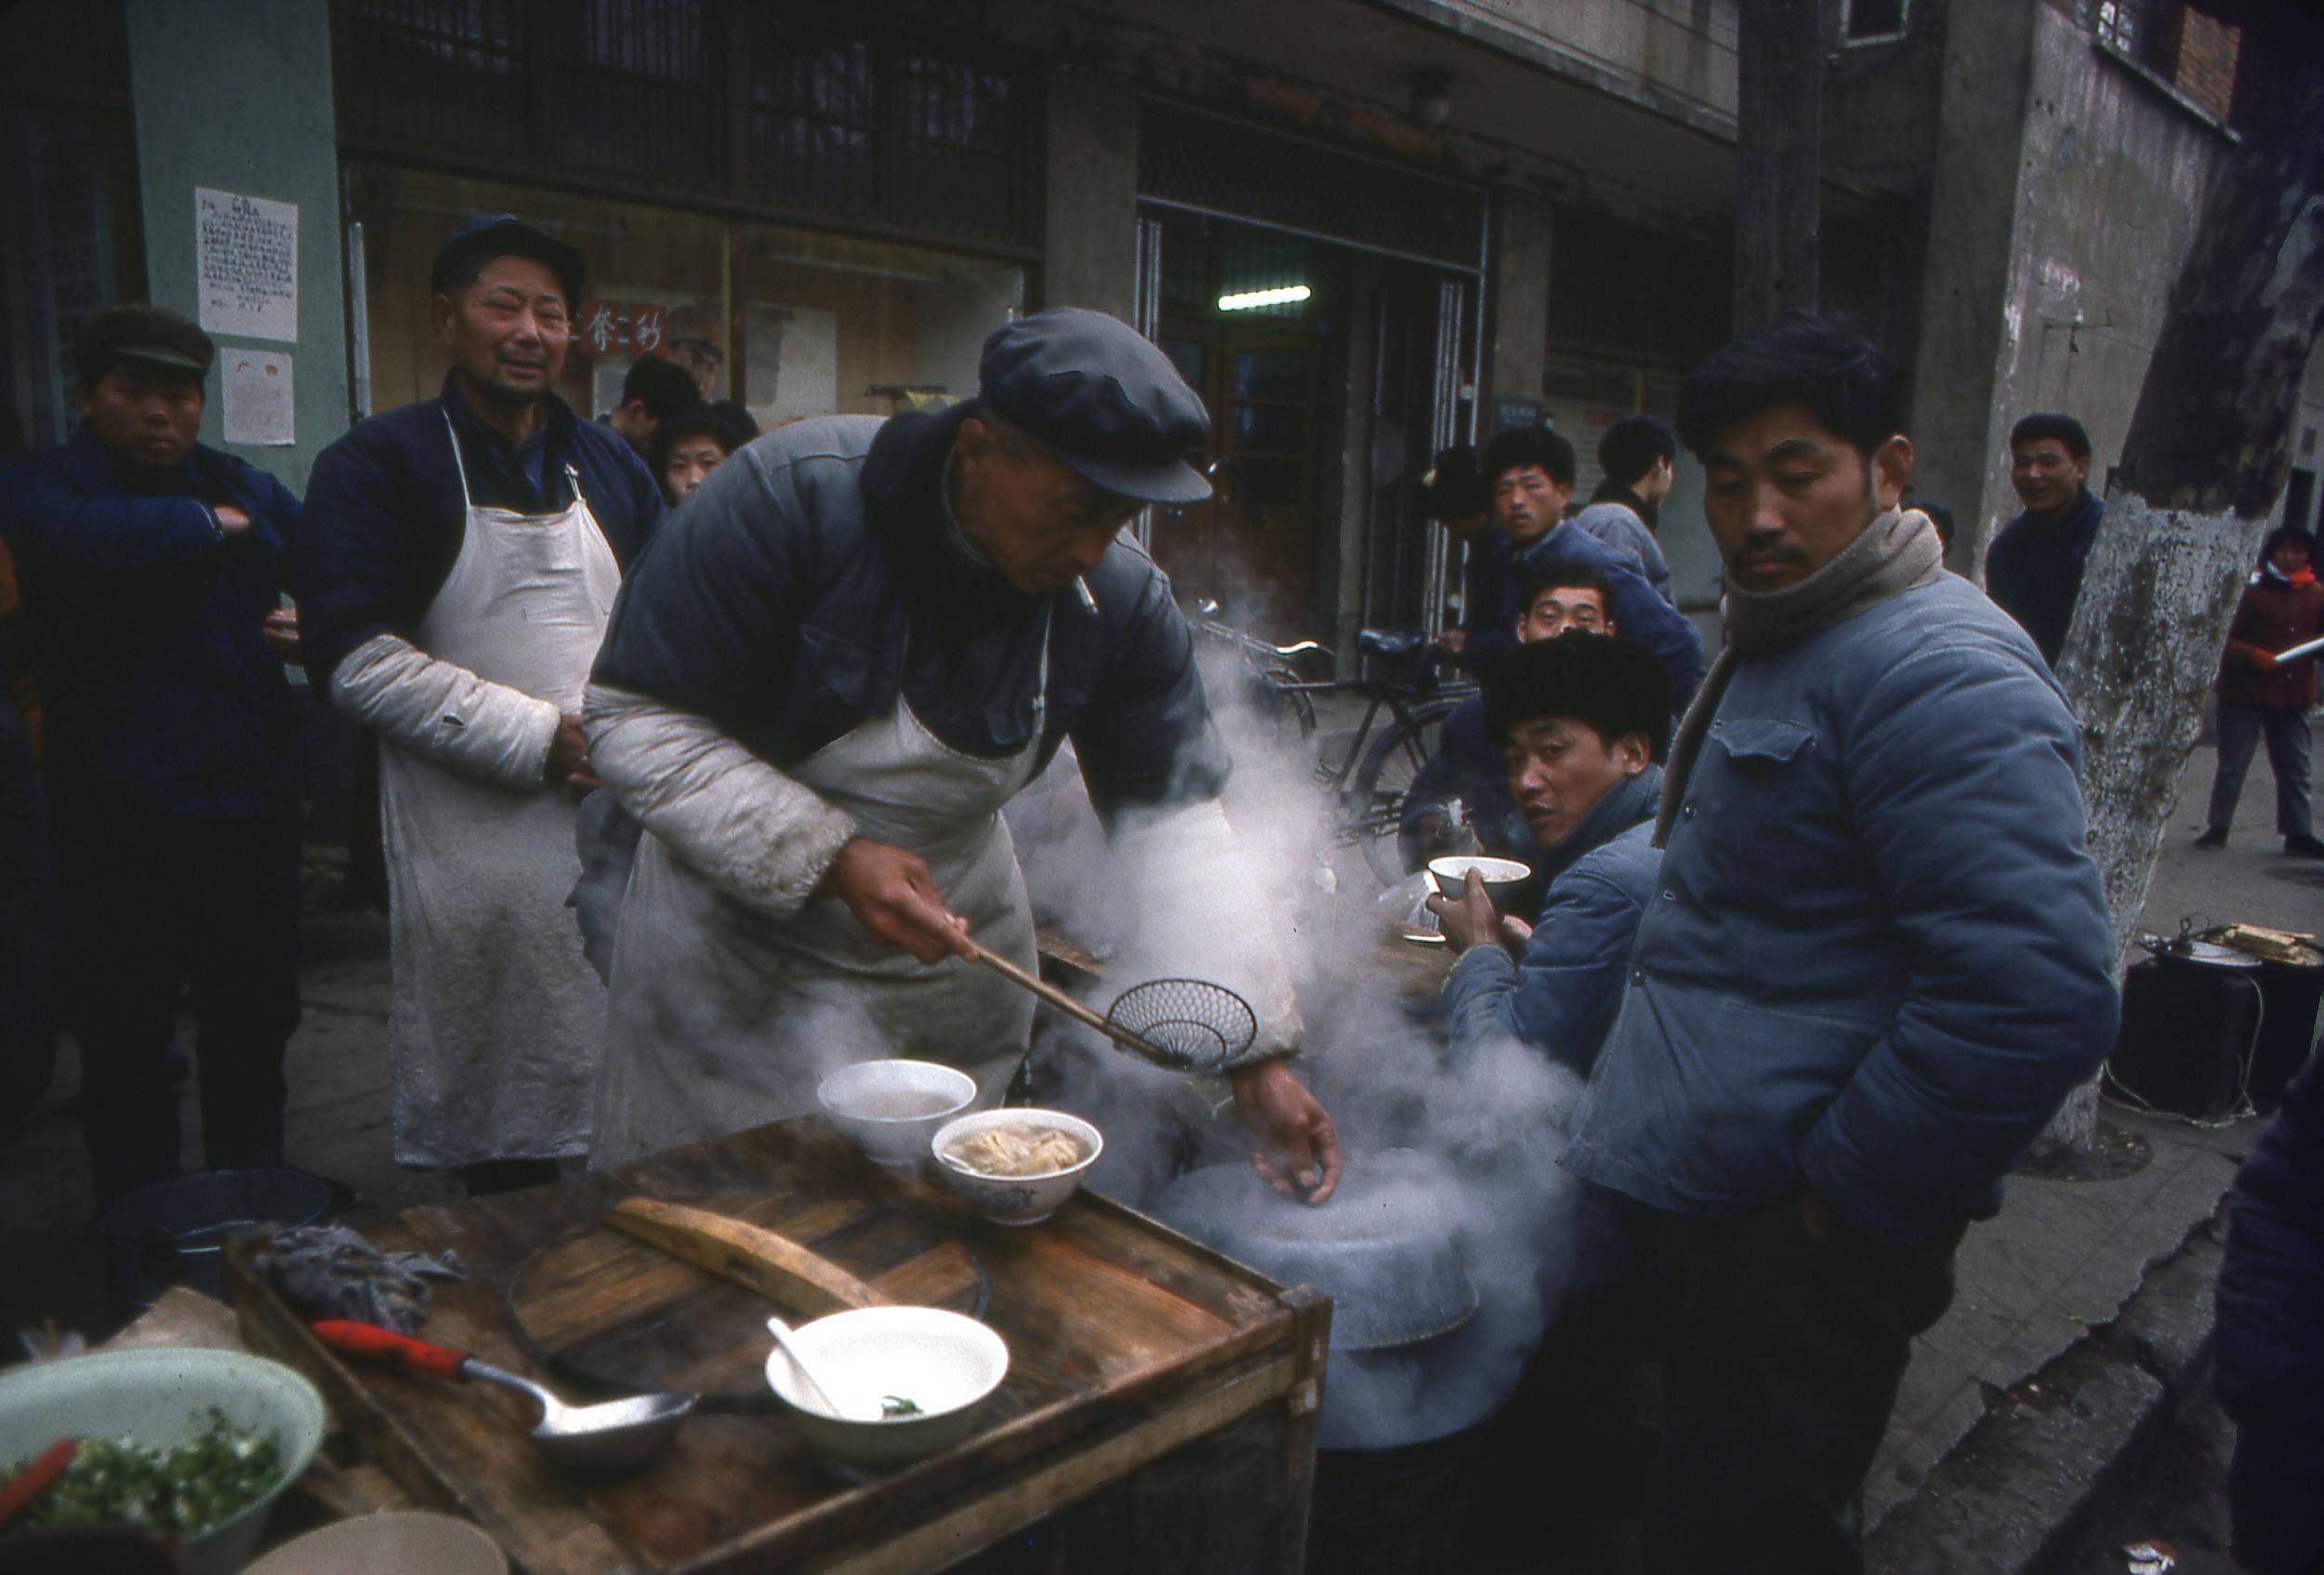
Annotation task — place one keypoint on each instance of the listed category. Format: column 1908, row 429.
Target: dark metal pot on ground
column 1403, row 1394
column 175, row 1232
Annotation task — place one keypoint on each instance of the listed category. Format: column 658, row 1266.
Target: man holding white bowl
column 1582, row 720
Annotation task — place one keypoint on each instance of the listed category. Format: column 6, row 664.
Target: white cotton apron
column 722, row 1018
column 498, row 1020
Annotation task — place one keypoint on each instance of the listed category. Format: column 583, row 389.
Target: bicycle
column 1367, row 781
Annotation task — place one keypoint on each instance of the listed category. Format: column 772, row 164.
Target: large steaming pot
column 1385, row 1249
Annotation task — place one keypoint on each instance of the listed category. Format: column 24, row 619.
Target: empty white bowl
column 945, row 1363
column 1015, row 1200
column 413, row 1541
column 890, row 1108
column 161, row 1396
column 1501, row 876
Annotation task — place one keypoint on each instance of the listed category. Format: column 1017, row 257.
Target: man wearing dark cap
column 653, row 391
column 154, row 566
column 467, row 553
column 856, row 642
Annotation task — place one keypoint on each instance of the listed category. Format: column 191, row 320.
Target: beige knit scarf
column 1898, row 552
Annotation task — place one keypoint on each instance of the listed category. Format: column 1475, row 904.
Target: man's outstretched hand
column 893, row 895
column 1298, row 1150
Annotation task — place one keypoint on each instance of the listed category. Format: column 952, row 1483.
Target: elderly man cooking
column 858, row 641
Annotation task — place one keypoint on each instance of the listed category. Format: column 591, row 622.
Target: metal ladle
column 614, row 1436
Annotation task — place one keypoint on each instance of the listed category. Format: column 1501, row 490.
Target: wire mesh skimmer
column 1192, row 1024
column 1186, row 1024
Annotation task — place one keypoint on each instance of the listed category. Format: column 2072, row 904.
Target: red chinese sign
column 620, row 328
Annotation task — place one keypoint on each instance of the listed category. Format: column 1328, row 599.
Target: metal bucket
column 2293, row 992
column 175, row 1232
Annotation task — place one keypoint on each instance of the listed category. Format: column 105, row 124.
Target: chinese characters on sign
column 247, row 264
column 620, row 328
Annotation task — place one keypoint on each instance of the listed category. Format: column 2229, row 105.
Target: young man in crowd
column 1581, row 723
column 155, row 567
column 1530, row 472
column 468, row 550
column 1876, row 961
column 652, row 391
column 2260, row 697
column 1638, row 458
column 2033, row 571
column 1469, row 766
column 1456, row 496
column 687, row 447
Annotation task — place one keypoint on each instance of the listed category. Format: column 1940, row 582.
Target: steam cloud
column 1491, row 1118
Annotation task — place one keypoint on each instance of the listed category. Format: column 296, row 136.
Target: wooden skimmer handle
column 1078, row 1011
column 752, row 1256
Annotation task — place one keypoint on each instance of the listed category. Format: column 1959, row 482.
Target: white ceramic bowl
column 890, row 1108
column 413, row 1541
column 162, row 1398
column 1015, row 1200
column 1502, row 876
column 945, row 1363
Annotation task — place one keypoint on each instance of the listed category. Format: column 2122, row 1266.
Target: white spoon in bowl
column 819, row 1383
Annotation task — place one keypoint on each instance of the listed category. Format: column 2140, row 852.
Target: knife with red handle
column 386, row 1344
column 43, row 1469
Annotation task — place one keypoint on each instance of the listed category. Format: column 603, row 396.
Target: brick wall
column 2206, row 71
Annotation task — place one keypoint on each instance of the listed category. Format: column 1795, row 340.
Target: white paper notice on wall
column 247, row 264
column 257, row 387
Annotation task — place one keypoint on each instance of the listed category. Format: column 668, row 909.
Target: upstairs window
column 1872, row 21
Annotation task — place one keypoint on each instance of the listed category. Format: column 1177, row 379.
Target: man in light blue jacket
column 1877, row 960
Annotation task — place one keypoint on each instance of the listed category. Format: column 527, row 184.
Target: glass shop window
column 835, row 324
column 655, row 283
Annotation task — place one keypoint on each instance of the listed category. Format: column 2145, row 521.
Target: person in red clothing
column 2283, row 606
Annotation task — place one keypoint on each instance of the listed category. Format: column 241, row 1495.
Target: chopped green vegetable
column 179, row 1492
column 892, row 1405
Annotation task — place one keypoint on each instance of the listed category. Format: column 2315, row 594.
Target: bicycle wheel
column 1372, row 805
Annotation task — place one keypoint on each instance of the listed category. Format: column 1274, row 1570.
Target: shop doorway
column 1255, row 322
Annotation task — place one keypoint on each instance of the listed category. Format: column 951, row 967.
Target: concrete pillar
column 1517, row 297
column 238, row 98
column 1968, row 335
column 1090, row 246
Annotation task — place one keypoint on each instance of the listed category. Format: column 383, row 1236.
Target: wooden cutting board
column 1129, row 1348
column 606, row 1311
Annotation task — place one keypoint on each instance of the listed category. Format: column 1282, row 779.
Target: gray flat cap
column 1103, row 397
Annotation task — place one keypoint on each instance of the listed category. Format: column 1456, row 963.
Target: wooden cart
column 1159, row 1411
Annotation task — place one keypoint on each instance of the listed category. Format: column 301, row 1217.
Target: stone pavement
column 2085, row 1309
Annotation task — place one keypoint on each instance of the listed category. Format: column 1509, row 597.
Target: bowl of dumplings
column 1016, row 1167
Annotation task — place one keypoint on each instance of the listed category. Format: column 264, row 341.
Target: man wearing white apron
column 858, row 641
column 472, row 547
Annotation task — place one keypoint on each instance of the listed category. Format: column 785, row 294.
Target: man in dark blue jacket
column 1531, row 472
column 2271, row 1361
column 851, row 648
column 2033, row 571
column 467, row 552
column 155, row 566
